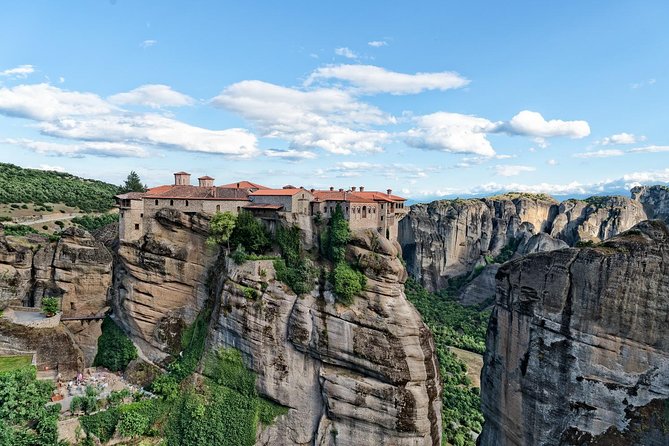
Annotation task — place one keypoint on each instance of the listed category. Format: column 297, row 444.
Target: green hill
column 19, row 185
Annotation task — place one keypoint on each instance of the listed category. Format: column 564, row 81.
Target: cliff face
column 160, row 281
column 77, row 269
column 578, row 345
column 365, row 374
column 448, row 238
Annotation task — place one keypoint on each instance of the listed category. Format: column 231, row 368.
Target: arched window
column 364, row 212
column 218, row 208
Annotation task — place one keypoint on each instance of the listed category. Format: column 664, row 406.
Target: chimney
column 182, row 179
column 206, row 181
column 331, row 188
column 341, row 190
column 312, row 190
column 362, row 188
column 352, row 188
column 390, row 191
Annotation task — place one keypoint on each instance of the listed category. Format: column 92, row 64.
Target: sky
column 430, row 99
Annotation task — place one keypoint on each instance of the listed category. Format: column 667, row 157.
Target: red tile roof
column 199, row 193
column 243, row 185
column 181, row 173
column 130, row 196
column 276, row 192
column 356, row 197
column 206, row 177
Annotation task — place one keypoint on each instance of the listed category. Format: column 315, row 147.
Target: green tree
column 250, row 233
column 336, row 237
column 115, row 349
column 50, row 306
column 220, row 228
column 132, row 184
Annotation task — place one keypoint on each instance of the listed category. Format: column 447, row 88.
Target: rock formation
column 448, row 238
column 365, row 374
column 76, row 268
column 578, row 345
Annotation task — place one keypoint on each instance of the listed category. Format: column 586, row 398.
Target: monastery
column 363, row 209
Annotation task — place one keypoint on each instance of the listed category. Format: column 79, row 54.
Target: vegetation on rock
column 50, row 305
column 250, row 233
column 220, row 228
column 293, row 268
column 94, row 222
column 18, row 185
column 115, row 349
column 347, row 282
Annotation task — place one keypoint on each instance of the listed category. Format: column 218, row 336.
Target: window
column 156, row 202
column 136, row 227
column 72, row 306
column 186, row 202
column 381, row 206
column 218, row 208
column 141, row 215
column 382, row 218
column 171, row 202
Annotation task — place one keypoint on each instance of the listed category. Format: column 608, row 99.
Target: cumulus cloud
column 552, row 162
column 155, row 130
column 452, row 132
column 326, row 118
column 377, row 43
column 371, row 79
column 600, row 154
column 105, row 128
column 99, row 148
column 50, row 168
column 530, row 123
column 19, row 72
column 148, row 43
column 621, row 138
column 650, row 149
column 154, row 96
column 512, row 170
column 43, row 102
column 290, row 155
column 345, row 52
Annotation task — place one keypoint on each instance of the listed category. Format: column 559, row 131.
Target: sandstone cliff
column 578, row 345
column 76, row 268
column 365, row 374
column 448, row 238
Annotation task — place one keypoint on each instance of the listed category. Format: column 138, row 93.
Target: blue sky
column 427, row 98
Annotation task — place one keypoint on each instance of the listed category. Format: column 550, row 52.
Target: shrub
column 293, row 269
column 336, row 236
column 59, row 223
column 250, row 233
column 19, row 230
column 239, row 255
column 45, row 228
column 220, row 228
column 93, row 222
column 115, row 349
column 347, row 282
column 132, row 423
column 50, row 305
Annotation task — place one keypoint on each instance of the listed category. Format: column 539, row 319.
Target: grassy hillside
column 19, row 185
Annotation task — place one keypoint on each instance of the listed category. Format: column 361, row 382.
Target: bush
column 19, row 230
column 93, row 222
column 115, row 349
column 250, row 233
column 293, row 269
column 50, row 305
column 239, row 255
column 347, row 282
column 132, row 423
column 336, row 236
column 87, row 403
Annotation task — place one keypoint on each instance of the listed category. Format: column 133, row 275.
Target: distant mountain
column 19, row 185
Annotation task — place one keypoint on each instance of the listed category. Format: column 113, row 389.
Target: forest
column 19, row 185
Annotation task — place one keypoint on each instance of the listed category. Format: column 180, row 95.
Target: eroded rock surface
column 578, row 345
column 448, row 238
column 364, row 374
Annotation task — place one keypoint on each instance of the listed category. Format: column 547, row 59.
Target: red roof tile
column 243, row 185
column 199, row 193
column 276, row 192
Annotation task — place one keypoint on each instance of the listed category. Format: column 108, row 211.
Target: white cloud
column 20, row 72
column 50, row 168
column 621, row 138
column 531, row 123
column 377, row 43
column 154, row 96
column 290, row 155
column 552, row 162
column 372, row 79
column 326, row 118
column 600, row 154
column 452, row 132
column 511, row 170
column 646, row 83
column 345, row 52
column 650, row 149
column 649, row 177
column 61, row 79
column 99, row 148
column 155, row 130
column 89, row 118
column 43, row 102
column 148, row 43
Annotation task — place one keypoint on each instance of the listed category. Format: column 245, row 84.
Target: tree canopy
column 132, row 184
column 220, row 228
